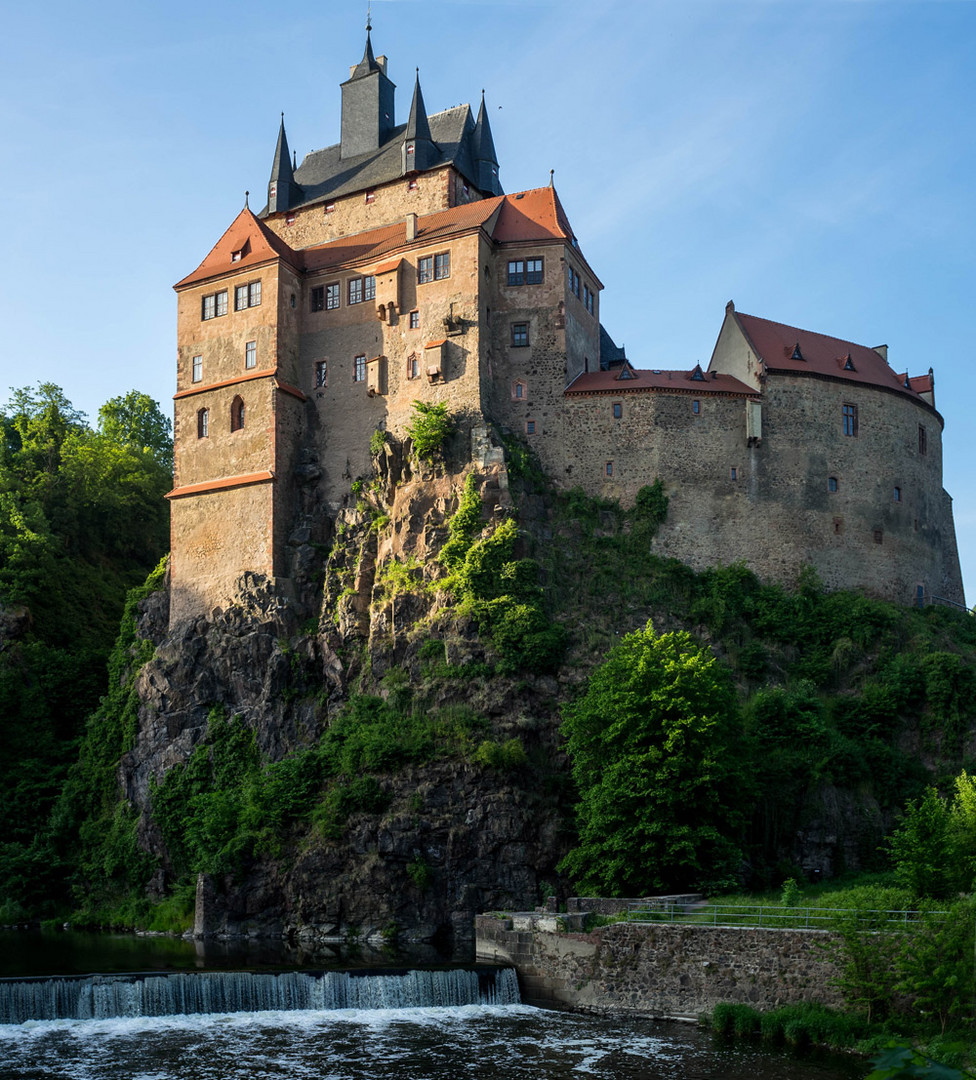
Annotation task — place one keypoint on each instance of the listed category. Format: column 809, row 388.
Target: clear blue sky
column 815, row 162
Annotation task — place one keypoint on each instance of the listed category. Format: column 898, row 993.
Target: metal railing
column 770, row 917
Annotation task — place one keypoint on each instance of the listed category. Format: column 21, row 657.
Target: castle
column 391, row 268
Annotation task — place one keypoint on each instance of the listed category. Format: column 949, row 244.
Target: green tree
column 135, row 420
column 429, row 427
column 653, row 745
column 923, row 849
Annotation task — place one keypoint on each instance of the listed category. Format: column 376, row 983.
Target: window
column 574, row 282
column 878, row 536
column 897, row 494
column 237, row 414
column 922, row 440
column 733, row 473
column 520, row 334
column 369, row 287
column 529, row 427
column 370, row 195
column 618, row 410
column 254, row 294
column 318, row 298
column 832, row 483
column 214, row 305
column 203, row 423
column 251, row 354
column 434, row 267
column 525, row 271
column 414, row 320
column 359, row 369
column 330, row 207
column 413, row 366
column 608, row 469
column 850, row 420
column 332, row 296
column 425, row 269
column 442, row 266
column 290, row 220
column 355, row 290
column 696, row 407
column 240, row 297
column 516, row 271
column 197, row 368
column 533, row 271
column 588, row 299
column 321, row 373
column 518, row 391
column 412, row 184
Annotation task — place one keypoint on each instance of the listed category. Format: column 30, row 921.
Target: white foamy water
column 481, row 1042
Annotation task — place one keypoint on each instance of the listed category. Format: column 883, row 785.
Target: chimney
column 411, row 227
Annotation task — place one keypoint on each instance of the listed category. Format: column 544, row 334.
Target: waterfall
column 97, row 997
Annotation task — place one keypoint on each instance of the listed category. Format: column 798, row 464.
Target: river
column 488, row 1041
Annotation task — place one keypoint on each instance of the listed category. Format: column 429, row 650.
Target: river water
column 495, row 1041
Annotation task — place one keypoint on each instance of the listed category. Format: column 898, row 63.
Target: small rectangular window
column 922, row 440
column 696, row 407
column 574, row 282
column 442, row 266
column 370, row 195
column 733, row 473
column 222, row 303
column 355, row 290
column 533, row 271
column 412, row 184
column 330, row 207
column 832, row 483
column 318, row 298
column 608, row 468
column 618, row 410
column 332, row 296
column 897, row 494
column 520, row 335
column 425, row 269
column 321, row 373
column 197, row 368
column 518, row 391
column 878, row 536
column 414, row 320
column 369, row 287
column 240, row 297
column 529, row 427
column 850, row 420
column 254, row 294
column 516, row 271
column 251, row 354
column 359, row 369
column 413, row 366
column 588, row 301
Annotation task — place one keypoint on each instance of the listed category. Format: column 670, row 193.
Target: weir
column 99, row 997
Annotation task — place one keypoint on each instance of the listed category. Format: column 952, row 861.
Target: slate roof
column 324, row 175
column 628, row 380
column 820, row 354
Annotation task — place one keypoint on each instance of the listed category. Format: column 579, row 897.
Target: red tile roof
column 532, row 215
column 610, row 382
column 776, row 344
column 263, row 245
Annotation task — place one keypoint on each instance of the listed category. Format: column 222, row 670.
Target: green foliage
column 420, row 873
column 791, row 894
column 377, row 442
column 464, row 525
column 901, row 1062
column 504, row 757
column 429, row 428
column 934, row 849
column 653, row 746
column 135, row 420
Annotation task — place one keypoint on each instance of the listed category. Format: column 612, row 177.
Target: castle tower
column 283, row 192
column 367, row 105
column 418, row 150
column 483, row 148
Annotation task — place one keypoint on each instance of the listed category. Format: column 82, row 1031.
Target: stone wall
column 661, row 969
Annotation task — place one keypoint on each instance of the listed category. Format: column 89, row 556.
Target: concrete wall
column 658, row 969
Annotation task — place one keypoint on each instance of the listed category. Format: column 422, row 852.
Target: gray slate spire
column 419, row 150
column 367, row 105
column 283, row 192
column 483, row 151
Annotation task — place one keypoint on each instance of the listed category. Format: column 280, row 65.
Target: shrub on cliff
column 429, row 427
column 652, row 745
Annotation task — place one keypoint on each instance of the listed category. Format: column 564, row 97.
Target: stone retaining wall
column 658, row 969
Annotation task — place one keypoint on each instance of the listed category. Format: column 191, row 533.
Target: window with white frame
column 197, row 369
column 251, row 354
column 359, row 369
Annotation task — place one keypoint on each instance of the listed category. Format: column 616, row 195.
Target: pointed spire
column 417, row 126
column 368, row 62
column 419, row 151
column 483, row 151
column 367, row 104
column 282, row 188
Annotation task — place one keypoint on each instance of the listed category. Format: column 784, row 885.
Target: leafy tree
column 430, row 426
column 653, row 750
column 134, row 419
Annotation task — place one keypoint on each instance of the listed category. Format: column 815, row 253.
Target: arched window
column 203, row 423
column 237, row 414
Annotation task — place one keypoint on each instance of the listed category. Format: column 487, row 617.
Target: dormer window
column 849, row 364
column 330, row 207
column 698, row 375
column 370, row 195
column 797, row 355
column 242, row 251
column 290, row 220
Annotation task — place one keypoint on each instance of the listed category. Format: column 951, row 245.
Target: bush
column 504, row 757
column 429, row 427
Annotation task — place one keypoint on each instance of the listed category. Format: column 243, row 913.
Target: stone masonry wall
column 662, row 969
